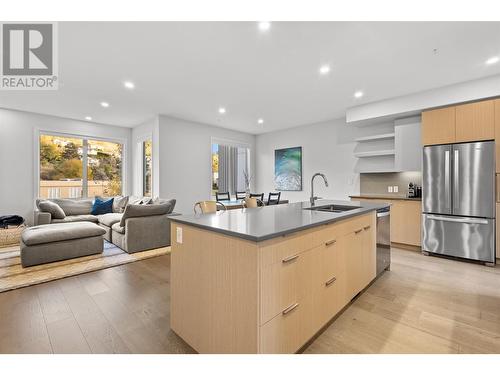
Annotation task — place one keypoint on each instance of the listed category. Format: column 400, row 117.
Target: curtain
column 228, row 169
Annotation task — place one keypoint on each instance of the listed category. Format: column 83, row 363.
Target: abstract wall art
column 288, row 169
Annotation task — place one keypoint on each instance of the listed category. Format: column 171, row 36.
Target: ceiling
column 190, row 69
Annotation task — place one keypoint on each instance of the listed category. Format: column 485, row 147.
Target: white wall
column 185, row 159
column 326, row 147
column 17, row 154
column 151, row 130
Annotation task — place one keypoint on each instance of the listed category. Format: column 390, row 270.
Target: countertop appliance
column 458, row 200
column 383, row 240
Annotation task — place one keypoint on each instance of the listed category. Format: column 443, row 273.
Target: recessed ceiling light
column 264, row 25
column 324, row 69
column 88, row 118
column 105, row 104
column 492, row 60
column 260, row 121
column 222, row 110
column 129, row 85
column 358, row 94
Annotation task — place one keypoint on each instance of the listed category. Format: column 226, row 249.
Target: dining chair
column 222, row 196
column 241, row 194
column 207, row 207
column 274, row 198
column 258, row 196
column 252, row 203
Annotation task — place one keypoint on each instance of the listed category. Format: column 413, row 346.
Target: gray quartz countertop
column 385, row 196
column 264, row 223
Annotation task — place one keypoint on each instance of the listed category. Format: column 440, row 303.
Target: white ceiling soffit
column 414, row 103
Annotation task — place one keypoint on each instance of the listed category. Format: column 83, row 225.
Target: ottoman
column 54, row 242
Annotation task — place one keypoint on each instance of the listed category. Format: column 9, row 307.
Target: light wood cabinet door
column 354, row 262
column 406, row 222
column 497, row 133
column 369, row 252
column 498, row 231
column 438, row 126
column 475, row 121
column 279, row 286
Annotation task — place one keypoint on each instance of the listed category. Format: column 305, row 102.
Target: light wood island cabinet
column 231, row 295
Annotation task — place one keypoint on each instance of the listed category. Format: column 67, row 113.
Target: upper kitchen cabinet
column 438, row 126
column 407, row 144
column 475, row 121
column 462, row 123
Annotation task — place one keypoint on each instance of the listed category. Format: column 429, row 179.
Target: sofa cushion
column 52, row 208
column 137, row 210
column 60, row 232
column 101, row 206
column 170, row 202
column 75, row 219
column 117, row 228
column 119, row 204
column 72, row 206
column 109, row 219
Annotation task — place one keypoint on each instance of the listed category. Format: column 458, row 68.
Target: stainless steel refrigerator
column 458, row 200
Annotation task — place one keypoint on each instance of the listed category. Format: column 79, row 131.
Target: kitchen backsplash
column 377, row 183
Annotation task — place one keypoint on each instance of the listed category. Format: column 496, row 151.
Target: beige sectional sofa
column 136, row 223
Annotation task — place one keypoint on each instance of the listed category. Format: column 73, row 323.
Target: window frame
column 85, row 138
column 143, row 165
column 233, row 143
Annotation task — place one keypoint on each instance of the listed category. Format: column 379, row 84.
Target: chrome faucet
column 313, row 198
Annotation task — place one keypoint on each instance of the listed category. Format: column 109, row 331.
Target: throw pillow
column 53, row 208
column 119, row 204
column 102, row 207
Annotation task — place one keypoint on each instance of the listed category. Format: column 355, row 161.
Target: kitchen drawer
column 331, row 297
column 333, row 261
column 277, row 249
column 290, row 330
column 279, row 286
column 282, row 334
column 355, row 224
column 325, row 234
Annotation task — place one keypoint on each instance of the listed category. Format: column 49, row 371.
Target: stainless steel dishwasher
column 383, row 240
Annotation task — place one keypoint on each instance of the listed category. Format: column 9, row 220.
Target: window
column 230, row 168
column 147, row 168
column 73, row 167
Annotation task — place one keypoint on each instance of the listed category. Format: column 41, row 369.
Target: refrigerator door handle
column 456, row 179
column 457, row 220
column 447, row 179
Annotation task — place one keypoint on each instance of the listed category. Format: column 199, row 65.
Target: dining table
column 234, row 204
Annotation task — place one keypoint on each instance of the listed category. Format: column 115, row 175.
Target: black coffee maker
column 414, row 191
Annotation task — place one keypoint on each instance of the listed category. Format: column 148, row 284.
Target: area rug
column 13, row 276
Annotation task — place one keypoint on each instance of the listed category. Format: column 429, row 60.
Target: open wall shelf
column 376, row 137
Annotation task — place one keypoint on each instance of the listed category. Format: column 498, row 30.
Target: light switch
column 389, row 189
column 179, row 235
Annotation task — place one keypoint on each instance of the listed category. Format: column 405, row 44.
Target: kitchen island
column 267, row 279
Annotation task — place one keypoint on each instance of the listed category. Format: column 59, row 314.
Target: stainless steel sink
column 335, row 208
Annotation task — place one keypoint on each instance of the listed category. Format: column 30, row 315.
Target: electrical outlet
column 396, row 188
column 389, row 189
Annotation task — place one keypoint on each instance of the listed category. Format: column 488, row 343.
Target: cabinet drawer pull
column 290, row 308
column 367, row 227
column 331, row 281
column 358, row 231
column 289, row 259
column 331, row 242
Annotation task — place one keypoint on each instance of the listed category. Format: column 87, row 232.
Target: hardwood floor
column 423, row 305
